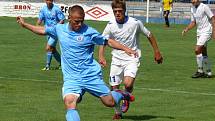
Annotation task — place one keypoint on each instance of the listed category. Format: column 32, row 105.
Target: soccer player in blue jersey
column 81, row 72
column 51, row 14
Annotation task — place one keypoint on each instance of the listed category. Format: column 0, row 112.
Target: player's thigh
column 164, row 13
column 116, row 74
column 167, row 13
column 51, row 41
column 130, row 72
column 201, row 44
column 72, row 92
column 96, row 86
column 108, row 100
column 71, row 100
column 202, row 40
column 131, row 69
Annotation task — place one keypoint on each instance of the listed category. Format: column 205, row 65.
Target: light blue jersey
column 80, row 71
column 51, row 17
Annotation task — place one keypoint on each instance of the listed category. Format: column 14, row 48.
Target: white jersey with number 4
column 127, row 34
column 202, row 15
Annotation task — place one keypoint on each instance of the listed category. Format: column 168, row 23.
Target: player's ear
column 69, row 18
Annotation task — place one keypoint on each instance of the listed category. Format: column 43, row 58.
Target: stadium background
column 163, row 92
column 137, row 8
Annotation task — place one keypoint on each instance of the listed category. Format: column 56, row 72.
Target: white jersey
column 127, row 34
column 202, row 15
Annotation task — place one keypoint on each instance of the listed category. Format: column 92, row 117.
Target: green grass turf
column 163, row 92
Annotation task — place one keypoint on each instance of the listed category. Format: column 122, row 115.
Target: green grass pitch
column 163, row 92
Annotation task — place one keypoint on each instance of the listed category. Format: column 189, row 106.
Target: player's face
column 76, row 20
column 195, row 2
column 49, row 3
column 119, row 14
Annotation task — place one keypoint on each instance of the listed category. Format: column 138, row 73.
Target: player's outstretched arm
column 117, row 45
column 157, row 55
column 39, row 22
column 102, row 59
column 213, row 25
column 36, row 29
column 190, row 26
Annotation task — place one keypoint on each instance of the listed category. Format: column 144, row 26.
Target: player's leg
column 114, row 99
column 72, row 94
column 116, row 74
column 129, row 83
column 167, row 18
column 52, row 43
column 48, row 53
column 98, row 88
column 70, row 102
column 199, row 56
column 206, row 62
column 165, row 15
column 130, row 72
column 55, row 53
column 115, row 81
column 48, row 57
column 199, row 59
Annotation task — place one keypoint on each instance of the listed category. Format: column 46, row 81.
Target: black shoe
column 198, row 75
column 208, row 75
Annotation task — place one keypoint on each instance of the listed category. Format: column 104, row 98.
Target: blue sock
column 117, row 96
column 72, row 115
column 57, row 56
column 48, row 59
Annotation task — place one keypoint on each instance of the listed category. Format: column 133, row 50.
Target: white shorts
column 121, row 68
column 203, row 39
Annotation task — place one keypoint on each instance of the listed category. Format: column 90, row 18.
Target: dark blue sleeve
column 99, row 39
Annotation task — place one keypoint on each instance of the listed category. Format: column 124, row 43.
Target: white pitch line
column 33, row 80
column 149, row 89
column 177, row 91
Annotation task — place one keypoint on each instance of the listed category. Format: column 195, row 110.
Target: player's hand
column 158, row 57
column 102, row 61
column 184, row 31
column 20, row 20
column 131, row 52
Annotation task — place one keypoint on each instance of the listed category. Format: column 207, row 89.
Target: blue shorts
column 51, row 41
column 78, row 87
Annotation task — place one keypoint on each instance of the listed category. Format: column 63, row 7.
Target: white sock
column 199, row 60
column 206, row 64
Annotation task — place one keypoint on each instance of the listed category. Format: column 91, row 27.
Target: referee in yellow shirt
column 167, row 6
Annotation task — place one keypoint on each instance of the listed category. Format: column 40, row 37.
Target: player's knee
column 47, row 49
column 129, row 88
column 198, row 51
column 70, row 102
column 108, row 101
column 50, row 48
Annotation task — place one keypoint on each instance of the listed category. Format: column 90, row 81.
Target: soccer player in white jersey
column 203, row 18
column 125, row 30
column 81, row 73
